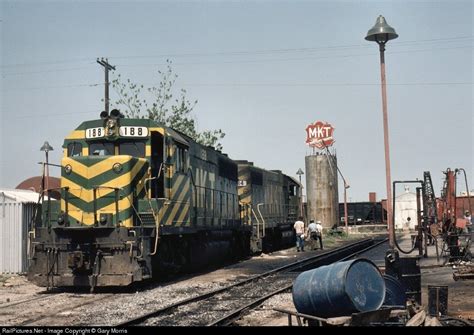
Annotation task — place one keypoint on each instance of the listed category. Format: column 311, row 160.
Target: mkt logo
column 319, row 135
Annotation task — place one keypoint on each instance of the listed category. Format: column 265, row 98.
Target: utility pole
column 107, row 68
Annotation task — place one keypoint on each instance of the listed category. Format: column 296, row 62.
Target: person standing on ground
column 312, row 233
column 469, row 224
column 299, row 229
column 319, row 233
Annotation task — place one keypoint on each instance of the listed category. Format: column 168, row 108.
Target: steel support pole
column 386, row 145
column 345, row 208
column 47, row 171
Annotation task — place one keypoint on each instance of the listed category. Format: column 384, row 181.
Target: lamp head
column 46, row 147
column 381, row 32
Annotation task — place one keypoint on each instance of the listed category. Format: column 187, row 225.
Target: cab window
column 132, row 148
column 74, row 149
column 181, row 159
column 101, row 149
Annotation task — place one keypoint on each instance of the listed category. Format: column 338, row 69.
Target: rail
column 309, row 262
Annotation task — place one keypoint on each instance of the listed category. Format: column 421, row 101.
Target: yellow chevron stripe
column 76, row 135
column 87, row 218
column 96, row 169
column 183, row 215
column 170, row 219
column 177, row 184
column 178, row 202
column 107, row 164
column 88, row 195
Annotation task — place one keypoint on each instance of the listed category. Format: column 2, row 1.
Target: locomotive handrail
column 258, row 222
column 116, row 191
column 263, row 220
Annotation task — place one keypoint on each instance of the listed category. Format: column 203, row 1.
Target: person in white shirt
column 312, row 232
column 319, row 234
column 468, row 227
column 299, row 229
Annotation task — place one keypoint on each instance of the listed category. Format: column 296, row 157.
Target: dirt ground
column 16, row 288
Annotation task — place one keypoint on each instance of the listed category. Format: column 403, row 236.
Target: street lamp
column 346, row 186
column 46, row 148
column 300, row 173
column 381, row 33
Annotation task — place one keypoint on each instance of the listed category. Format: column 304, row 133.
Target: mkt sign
column 319, row 135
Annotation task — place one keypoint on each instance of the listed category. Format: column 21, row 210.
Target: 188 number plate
column 95, row 132
column 132, row 131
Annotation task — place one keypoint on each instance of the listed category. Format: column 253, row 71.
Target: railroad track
column 225, row 305
column 50, row 306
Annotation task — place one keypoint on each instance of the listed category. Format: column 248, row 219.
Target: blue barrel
column 339, row 289
column 394, row 292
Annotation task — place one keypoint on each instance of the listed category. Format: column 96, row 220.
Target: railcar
column 137, row 199
column 270, row 203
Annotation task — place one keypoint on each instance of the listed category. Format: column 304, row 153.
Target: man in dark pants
column 319, row 233
column 299, row 229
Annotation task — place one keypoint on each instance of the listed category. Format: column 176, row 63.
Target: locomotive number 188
column 130, row 131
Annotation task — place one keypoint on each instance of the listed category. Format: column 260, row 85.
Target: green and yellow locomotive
column 136, row 198
column 139, row 199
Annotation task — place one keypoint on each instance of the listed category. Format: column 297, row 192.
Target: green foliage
column 161, row 106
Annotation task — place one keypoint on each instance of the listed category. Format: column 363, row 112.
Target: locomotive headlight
column 117, row 167
column 103, row 219
column 68, row 169
column 111, row 127
column 111, row 124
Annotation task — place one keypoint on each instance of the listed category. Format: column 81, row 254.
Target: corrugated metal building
column 17, row 208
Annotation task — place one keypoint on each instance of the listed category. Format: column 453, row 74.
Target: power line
column 31, row 116
column 45, row 71
column 267, row 60
column 262, row 84
column 248, row 52
column 326, row 84
column 49, row 87
column 235, row 61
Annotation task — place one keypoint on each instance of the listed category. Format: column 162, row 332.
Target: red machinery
column 453, row 226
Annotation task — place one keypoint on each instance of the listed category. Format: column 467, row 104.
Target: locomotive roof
column 178, row 136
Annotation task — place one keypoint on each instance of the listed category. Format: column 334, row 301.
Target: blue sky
column 260, row 70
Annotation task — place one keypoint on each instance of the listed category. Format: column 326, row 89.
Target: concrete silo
column 321, row 189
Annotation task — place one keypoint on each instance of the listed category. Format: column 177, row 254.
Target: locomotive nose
column 101, row 189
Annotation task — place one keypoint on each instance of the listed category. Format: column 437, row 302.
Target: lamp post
column 46, row 148
column 381, row 33
column 300, row 173
column 346, row 186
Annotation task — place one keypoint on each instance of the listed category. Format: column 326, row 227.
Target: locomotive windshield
column 101, row 149
column 74, row 149
column 131, row 148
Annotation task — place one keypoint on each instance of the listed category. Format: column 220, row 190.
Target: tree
column 163, row 107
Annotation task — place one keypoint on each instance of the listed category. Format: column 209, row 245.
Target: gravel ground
column 106, row 309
